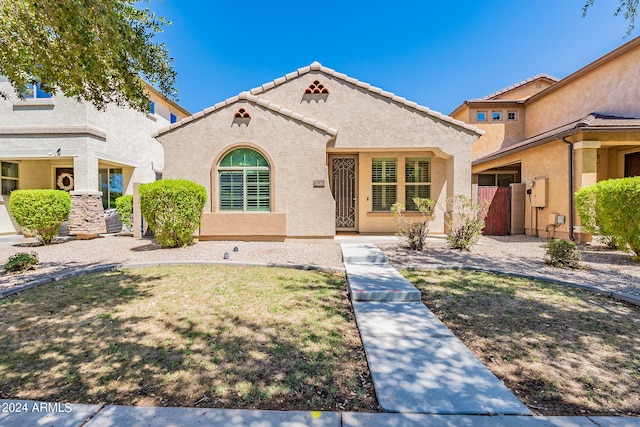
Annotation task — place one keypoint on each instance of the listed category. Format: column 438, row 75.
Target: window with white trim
column 34, row 91
column 384, row 178
column 9, row 177
column 111, row 185
column 417, row 177
column 244, row 182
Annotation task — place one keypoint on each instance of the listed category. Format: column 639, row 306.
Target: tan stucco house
column 316, row 152
column 54, row 142
column 546, row 138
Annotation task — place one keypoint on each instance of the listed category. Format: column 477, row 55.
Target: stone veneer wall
column 87, row 215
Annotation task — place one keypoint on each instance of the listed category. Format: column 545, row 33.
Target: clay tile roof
column 592, row 121
column 517, row 85
column 316, row 66
column 246, row 96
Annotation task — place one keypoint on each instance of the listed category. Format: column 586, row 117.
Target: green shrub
column 465, row 222
column 21, row 261
column 173, row 209
column 615, row 212
column 124, row 206
column 561, row 253
column 586, row 207
column 414, row 232
column 40, row 211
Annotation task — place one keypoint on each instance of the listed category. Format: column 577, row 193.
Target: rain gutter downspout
column 571, row 207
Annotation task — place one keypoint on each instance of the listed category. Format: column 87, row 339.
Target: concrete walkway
column 417, row 364
column 20, row 413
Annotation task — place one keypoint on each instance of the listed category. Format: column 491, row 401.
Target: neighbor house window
column 417, row 177
column 481, row 116
column 9, row 177
column 511, row 115
column 111, row 186
column 244, row 182
column 152, row 107
column 173, row 118
column 34, row 91
column 496, row 179
column 384, row 178
column 496, row 116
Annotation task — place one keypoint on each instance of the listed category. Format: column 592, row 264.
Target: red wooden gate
column 498, row 220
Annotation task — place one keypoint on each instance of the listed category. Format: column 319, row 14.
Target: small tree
column 173, row 209
column 124, row 206
column 40, row 211
column 465, row 222
column 414, row 232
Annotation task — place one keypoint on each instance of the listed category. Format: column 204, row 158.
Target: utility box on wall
column 539, row 193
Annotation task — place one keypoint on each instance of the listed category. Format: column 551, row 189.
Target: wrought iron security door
column 343, row 187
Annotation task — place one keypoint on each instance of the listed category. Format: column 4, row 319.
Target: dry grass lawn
column 562, row 351
column 209, row 336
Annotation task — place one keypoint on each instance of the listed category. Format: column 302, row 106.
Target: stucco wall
column 367, row 122
column 613, row 87
column 547, row 161
column 368, row 125
column 377, row 222
column 296, row 152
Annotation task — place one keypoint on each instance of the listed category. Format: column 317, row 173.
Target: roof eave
column 246, row 96
column 317, row 67
column 587, row 68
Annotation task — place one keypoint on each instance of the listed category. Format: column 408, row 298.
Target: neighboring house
column 547, row 138
column 49, row 142
column 315, row 152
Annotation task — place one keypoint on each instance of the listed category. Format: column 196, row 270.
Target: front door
column 632, row 165
column 343, row 188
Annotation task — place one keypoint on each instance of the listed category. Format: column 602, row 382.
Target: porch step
column 362, row 252
column 378, row 282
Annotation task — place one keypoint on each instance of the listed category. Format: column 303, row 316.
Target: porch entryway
column 344, row 188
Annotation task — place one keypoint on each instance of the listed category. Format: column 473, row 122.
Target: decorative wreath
column 61, row 179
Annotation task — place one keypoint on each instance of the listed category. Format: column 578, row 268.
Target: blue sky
column 436, row 53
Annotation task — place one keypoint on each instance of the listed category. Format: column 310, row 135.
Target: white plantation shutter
column 384, row 194
column 417, row 176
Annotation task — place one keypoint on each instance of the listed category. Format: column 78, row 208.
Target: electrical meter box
column 539, row 193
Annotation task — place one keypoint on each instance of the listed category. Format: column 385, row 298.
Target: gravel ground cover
column 610, row 269
column 602, row 267
column 82, row 254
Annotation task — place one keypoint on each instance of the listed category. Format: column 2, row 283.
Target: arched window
column 244, row 181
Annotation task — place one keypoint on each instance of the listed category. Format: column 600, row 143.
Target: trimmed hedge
column 124, row 206
column 611, row 208
column 173, row 210
column 40, row 211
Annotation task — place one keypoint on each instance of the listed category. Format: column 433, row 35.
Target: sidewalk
column 61, row 415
